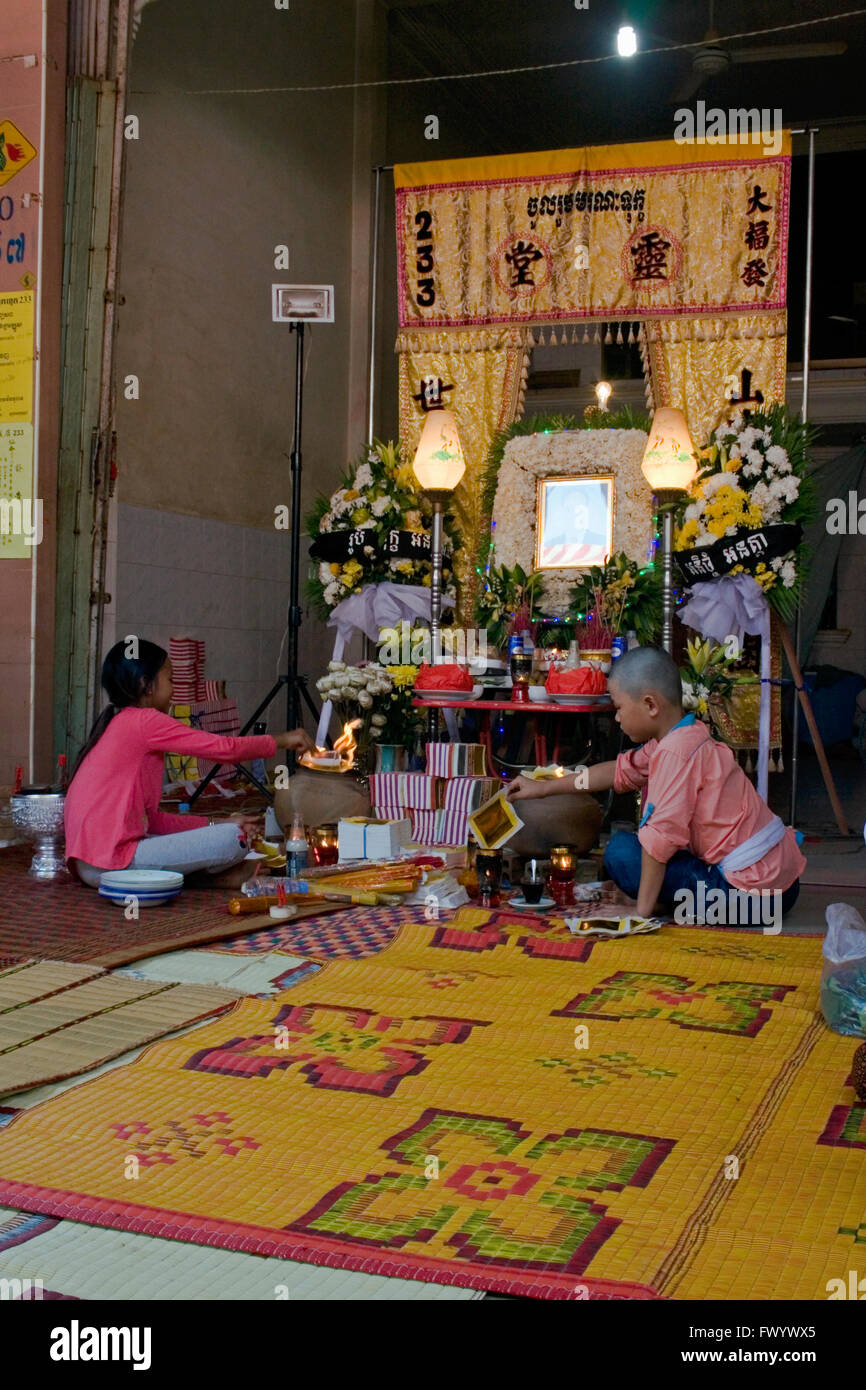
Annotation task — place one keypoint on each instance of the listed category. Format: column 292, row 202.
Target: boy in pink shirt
column 704, row 827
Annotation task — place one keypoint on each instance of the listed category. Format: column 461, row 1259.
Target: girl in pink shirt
column 112, row 816
column 705, row 829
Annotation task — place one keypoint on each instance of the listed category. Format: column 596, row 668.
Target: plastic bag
column 843, row 978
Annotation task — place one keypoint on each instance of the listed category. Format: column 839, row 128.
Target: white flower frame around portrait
column 570, row 454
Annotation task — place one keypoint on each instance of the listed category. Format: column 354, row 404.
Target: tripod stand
column 295, row 683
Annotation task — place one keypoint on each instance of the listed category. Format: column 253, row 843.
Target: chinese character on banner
column 754, row 273
column 649, row 257
column 521, row 257
column 748, row 398
column 755, row 203
column 757, row 236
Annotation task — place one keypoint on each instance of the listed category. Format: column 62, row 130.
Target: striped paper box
column 406, row 789
column 424, row 823
column 468, row 793
column 456, row 760
column 453, row 828
column 188, row 662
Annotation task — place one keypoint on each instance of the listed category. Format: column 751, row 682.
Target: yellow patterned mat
column 491, row 1104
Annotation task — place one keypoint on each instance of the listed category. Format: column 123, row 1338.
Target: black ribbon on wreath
column 746, row 547
column 335, row 547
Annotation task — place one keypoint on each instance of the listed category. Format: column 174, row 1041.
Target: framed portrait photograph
column 574, row 522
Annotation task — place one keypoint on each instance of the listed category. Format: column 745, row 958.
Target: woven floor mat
column 66, row 921
column 89, row 1262
column 496, row 1105
column 58, row 1019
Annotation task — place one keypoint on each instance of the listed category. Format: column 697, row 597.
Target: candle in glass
column 521, row 671
column 488, row 866
column 323, row 843
column 563, row 867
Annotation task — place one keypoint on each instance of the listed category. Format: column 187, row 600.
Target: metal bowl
column 39, row 816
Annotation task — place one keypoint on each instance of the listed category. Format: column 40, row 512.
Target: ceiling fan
column 714, row 58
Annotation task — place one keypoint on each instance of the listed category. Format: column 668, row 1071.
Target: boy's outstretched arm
column 652, row 875
column 598, row 778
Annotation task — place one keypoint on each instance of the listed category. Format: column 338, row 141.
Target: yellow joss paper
column 494, row 823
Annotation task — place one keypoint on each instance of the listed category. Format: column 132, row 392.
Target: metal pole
column 667, row 580
column 435, row 607
column 374, row 293
column 294, row 606
column 804, row 408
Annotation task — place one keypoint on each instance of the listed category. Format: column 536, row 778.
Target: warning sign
column 16, row 151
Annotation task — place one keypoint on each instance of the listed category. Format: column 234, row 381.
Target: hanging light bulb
column 626, row 41
column 603, row 391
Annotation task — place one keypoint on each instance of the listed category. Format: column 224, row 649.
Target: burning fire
column 339, row 759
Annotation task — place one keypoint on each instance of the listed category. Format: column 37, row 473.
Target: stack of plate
column 149, row 887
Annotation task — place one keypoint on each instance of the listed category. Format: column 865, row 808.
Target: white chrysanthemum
column 776, row 564
column 381, row 505
column 790, row 488
column 755, row 456
column 326, row 522
column 731, row 531
column 751, row 470
column 706, row 539
column 702, row 691
column 689, row 697
column 692, row 512
column 748, row 437
column 788, row 574
column 715, row 481
column 776, row 455
column 324, row 573
column 363, row 477
column 769, row 503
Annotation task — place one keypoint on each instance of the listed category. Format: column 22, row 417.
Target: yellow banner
column 16, row 355
column 617, row 232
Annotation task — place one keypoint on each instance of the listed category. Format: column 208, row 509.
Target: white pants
column 212, row 848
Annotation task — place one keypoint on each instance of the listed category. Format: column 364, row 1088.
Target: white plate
column 142, row 880
column 149, row 887
column 473, row 694
column 541, row 906
column 578, row 699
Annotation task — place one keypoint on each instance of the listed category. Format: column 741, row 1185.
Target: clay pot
column 557, row 820
column 320, row 797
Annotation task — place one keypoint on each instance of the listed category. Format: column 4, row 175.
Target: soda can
column 618, row 648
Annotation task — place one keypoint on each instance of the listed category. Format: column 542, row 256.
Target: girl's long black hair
column 124, row 679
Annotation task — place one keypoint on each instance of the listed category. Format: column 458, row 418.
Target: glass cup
column 532, row 882
column 323, row 845
column 488, row 866
column 563, row 868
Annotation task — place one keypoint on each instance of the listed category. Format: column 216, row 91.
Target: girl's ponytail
column 124, row 679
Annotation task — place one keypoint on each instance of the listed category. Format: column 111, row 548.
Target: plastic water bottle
column 296, row 848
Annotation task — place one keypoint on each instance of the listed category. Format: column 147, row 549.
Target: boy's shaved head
column 646, row 670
